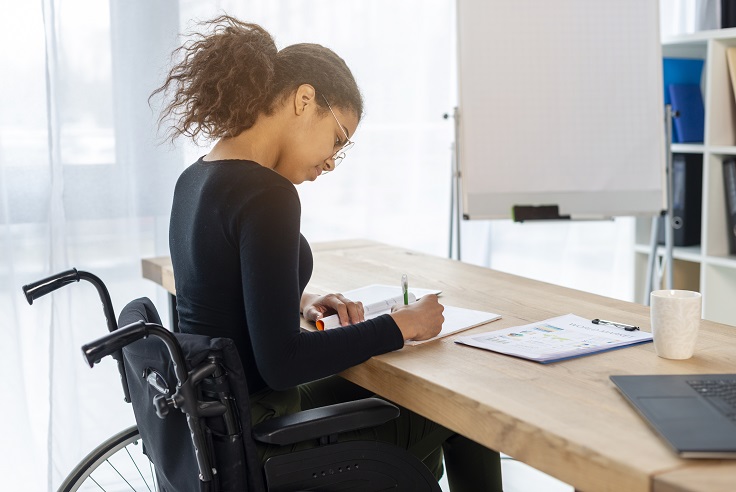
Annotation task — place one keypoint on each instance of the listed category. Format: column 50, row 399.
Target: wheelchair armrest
column 325, row 421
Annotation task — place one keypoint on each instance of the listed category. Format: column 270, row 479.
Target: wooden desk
column 565, row 419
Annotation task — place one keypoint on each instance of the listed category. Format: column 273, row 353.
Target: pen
column 405, row 288
column 613, row 323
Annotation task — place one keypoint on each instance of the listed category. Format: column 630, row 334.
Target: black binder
column 728, row 13
column 687, row 192
column 729, row 182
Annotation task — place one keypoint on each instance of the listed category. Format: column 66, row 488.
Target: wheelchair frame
column 323, row 423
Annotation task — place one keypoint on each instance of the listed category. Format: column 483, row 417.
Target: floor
column 518, row 477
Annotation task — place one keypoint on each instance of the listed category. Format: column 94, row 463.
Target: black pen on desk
column 613, row 323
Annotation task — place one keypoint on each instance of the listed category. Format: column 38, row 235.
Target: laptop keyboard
column 721, row 393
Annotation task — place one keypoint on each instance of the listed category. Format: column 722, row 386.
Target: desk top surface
column 565, row 419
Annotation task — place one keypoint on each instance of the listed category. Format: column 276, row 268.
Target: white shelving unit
column 707, row 268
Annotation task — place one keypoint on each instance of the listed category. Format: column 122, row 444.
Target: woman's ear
column 304, row 97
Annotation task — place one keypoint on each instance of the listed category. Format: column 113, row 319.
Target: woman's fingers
column 348, row 311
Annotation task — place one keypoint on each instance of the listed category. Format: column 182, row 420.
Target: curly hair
column 228, row 77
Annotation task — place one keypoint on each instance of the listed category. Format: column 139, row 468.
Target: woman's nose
column 329, row 165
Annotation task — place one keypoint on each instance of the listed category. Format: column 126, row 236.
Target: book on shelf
column 379, row 299
column 687, row 104
column 731, row 59
column 687, row 192
column 557, row 339
column 729, row 182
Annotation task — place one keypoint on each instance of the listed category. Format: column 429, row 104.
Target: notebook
column 695, row 413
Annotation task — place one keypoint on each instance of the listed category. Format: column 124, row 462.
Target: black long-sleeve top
column 241, row 266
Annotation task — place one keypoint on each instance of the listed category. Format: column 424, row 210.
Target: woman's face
column 314, row 140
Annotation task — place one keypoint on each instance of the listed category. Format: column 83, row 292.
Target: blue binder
column 688, row 102
column 680, row 71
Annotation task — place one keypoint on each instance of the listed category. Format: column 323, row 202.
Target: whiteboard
column 560, row 103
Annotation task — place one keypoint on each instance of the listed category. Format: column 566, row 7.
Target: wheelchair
column 191, row 405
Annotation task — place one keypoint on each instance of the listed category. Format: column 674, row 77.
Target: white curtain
column 82, row 184
column 688, row 16
column 85, row 183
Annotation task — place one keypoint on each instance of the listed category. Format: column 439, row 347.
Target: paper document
column 378, row 299
column 459, row 319
column 556, row 339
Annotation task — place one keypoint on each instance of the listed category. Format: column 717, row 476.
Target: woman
column 241, row 265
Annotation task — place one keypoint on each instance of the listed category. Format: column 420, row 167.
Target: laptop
column 695, row 413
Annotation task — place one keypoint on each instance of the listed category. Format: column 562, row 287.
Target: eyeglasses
column 338, row 156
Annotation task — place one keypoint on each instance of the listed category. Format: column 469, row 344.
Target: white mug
column 675, row 316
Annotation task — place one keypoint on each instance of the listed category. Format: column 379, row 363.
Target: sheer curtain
column 82, row 184
column 688, row 16
column 85, row 183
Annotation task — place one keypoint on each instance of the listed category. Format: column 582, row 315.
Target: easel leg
column 652, row 276
column 451, row 235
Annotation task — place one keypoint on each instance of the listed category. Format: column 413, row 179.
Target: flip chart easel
column 560, row 104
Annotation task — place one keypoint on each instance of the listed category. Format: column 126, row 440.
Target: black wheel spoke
column 153, row 476
column 138, row 469
column 95, row 481
column 120, row 475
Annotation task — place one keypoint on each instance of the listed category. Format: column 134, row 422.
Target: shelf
column 700, row 37
column 722, row 150
column 722, row 261
column 707, row 267
column 688, row 148
column 691, row 253
column 718, row 299
column 685, row 253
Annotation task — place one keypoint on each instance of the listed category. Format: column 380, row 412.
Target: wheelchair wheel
column 116, row 464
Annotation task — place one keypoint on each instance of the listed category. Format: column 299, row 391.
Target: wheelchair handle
column 112, row 342
column 109, row 344
column 42, row 287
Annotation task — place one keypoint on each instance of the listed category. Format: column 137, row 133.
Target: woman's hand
column 315, row 307
column 420, row 320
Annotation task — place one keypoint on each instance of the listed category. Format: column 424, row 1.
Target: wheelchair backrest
column 167, row 441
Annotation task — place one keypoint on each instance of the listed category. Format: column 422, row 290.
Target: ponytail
column 226, row 78
column 222, row 82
